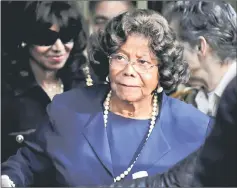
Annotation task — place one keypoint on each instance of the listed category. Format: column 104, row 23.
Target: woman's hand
column 6, row 181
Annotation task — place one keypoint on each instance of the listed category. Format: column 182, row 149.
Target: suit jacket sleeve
column 217, row 164
column 30, row 159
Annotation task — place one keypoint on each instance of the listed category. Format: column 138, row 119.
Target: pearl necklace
column 152, row 125
column 55, row 89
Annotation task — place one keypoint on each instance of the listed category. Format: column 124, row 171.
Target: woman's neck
column 137, row 110
column 42, row 76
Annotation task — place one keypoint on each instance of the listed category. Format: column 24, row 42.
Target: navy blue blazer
column 72, row 141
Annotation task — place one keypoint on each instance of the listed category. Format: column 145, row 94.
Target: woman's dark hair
column 172, row 69
column 214, row 20
column 43, row 14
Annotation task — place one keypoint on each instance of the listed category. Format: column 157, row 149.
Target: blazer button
column 19, row 138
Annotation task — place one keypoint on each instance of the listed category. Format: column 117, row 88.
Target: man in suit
column 214, row 164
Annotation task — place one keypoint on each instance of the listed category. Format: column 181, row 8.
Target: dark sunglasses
column 47, row 37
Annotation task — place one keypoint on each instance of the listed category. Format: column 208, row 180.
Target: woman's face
column 127, row 82
column 52, row 57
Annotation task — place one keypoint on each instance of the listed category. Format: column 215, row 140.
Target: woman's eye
column 143, row 62
column 120, row 57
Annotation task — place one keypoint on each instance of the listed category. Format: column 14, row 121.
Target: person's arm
column 30, row 159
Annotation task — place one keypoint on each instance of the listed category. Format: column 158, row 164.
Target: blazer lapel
column 157, row 146
column 160, row 147
column 96, row 134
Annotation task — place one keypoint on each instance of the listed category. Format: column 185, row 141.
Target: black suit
column 214, row 164
column 218, row 158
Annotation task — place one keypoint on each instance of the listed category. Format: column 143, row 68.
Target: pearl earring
column 159, row 90
column 23, row 44
column 107, row 79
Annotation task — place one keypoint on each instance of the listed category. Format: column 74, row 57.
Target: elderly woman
column 122, row 130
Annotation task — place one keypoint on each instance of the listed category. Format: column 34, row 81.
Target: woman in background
column 43, row 60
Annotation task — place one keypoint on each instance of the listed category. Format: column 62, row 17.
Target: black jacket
column 212, row 165
column 24, row 104
column 24, row 101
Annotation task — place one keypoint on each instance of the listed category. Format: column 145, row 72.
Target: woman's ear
column 202, row 46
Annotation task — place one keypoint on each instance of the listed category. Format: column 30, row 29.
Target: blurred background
column 154, row 5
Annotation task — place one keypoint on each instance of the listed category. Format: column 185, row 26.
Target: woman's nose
column 129, row 69
column 58, row 46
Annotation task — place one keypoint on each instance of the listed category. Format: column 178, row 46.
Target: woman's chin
column 128, row 94
column 130, row 98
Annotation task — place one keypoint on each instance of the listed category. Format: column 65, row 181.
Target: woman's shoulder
column 186, row 121
column 183, row 109
column 187, row 116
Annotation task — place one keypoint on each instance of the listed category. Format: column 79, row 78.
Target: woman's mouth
column 57, row 58
column 129, row 85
